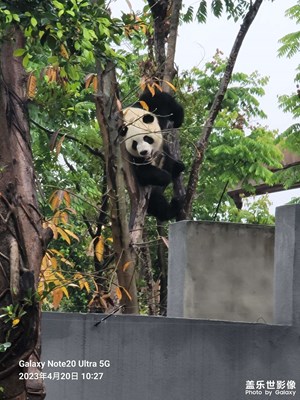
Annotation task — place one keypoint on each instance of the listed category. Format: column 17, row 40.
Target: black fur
column 164, row 106
column 167, row 110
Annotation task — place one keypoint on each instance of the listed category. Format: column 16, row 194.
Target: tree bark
column 108, row 115
column 159, row 10
column 215, row 108
column 22, row 240
column 169, row 69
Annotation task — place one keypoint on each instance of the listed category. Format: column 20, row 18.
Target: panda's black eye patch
column 148, row 139
column 134, row 145
column 123, row 130
column 148, row 118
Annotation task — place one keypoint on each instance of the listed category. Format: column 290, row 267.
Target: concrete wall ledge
column 155, row 358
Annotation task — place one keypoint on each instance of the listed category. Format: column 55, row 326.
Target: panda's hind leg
column 160, row 208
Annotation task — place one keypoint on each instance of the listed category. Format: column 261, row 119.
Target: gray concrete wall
column 154, row 358
column 221, row 271
column 287, row 265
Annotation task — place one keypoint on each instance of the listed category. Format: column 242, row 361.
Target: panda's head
column 142, row 133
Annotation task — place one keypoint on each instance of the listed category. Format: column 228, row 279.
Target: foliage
column 233, row 9
column 4, row 346
column 240, row 150
column 253, row 212
column 291, row 41
column 290, row 103
column 12, row 315
column 64, row 39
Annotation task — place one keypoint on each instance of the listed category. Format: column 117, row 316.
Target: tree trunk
column 108, row 114
column 21, row 234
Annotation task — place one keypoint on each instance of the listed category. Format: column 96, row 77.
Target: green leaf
column 16, row 17
column 26, row 61
column 4, row 346
column 19, row 52
column 53, row 60
column 57, row 4
column 217, row 7
column 33, row 22
column 202, row 11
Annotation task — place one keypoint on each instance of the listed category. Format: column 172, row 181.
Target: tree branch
column 169, row 70
column 108, row 115
column 93, row 151
column 159, row 13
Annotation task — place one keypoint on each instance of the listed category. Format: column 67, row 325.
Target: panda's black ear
column 148, row 118
column 123, row 130
column 164, row 106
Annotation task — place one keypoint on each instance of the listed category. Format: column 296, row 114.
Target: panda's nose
column 144, row 153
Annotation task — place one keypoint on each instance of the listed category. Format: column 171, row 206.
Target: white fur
column 137, row 130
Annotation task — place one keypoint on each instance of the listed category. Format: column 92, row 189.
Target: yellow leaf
column 119, row 293
column 58, row 145
column 52, row 74
column 41, row 287
column 126, row 265
column 64, row 217
column 71, row 210
column 63, row 51
column 65, row 291
column 80, row 280
column 60, row 276
column 72, row 234
column 56, row 252
column 171, row 86
column 90, row 250
column 144, row 28
column 127, row 293
column 165, row 240
column 65, row 261
column 57, row 295
column 56, row 199
column 151, row 89
column 87, row 286
column 127, row 30
column 56, row 217
column 54, row 229
column 144, row 105
column 67, row 198
column 31, row 86
column 15, row 321
column 95, row 84
column 64, row 235
column 88, row 79
column 53, row 263
column 44, row 263
column 95, row 284
column 73, row 285
column 158, row 86
column 99, row 249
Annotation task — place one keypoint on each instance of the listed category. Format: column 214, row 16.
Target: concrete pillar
column 287, row 266
column 221, row 271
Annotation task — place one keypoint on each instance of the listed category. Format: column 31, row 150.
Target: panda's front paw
column 178, row 168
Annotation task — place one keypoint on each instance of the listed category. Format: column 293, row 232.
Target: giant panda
column 146, row 143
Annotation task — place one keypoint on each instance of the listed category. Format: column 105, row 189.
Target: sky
column 197, row 43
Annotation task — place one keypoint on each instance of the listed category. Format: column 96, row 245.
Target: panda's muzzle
column 144, row 153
